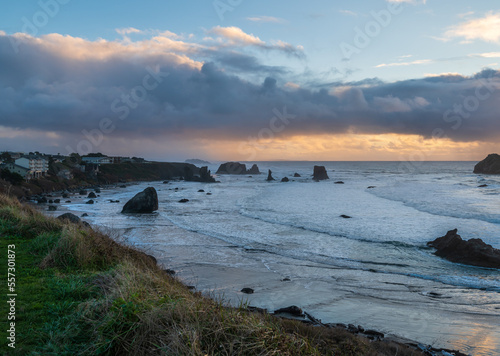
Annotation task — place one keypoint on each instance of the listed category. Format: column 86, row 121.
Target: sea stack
column 254, row 170
column 320, row 173
column 270, row 176
column 474, row 252
column 232, row 168
column 489, row 165
column 143, row 202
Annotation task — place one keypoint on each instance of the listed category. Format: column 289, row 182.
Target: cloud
column 348, row 12
column 266, row 19
column 400, row 64
column 127, row 31
column 235, row 36
column 48, row 89
column 486, row 29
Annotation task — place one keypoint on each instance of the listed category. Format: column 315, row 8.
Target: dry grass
column 124, row 304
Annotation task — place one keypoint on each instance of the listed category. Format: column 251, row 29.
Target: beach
column 289, row 244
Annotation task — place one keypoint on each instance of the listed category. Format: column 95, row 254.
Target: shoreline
column 189, row 279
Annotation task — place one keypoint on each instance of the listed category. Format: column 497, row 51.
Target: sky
column 256, row 80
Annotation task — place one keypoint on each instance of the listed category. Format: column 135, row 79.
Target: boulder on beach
column 473, row 252
column 52, row 208
column 285, row 179
column 270, row 176
column 254, row 170
column 292, row 310
column 232, row 168
column 296, row 175
column 320, row 173
column 489, row 165
column 90, row 202
column 91, row 195
column 69, row 217
column 247, row 290
column 143, row 202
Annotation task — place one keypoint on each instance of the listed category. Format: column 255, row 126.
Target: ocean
column 289, row 243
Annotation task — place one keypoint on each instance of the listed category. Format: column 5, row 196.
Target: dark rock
column 482, row 186
column 270, row 176
column 143, row 202
column 191, row 287
column 165, row 182
column 286, row 279
column 374, row 333
column 339, row 182
column 201, row 191
column 52, row 208
column 361, row 329
column 371, row 187
column 320, row 173
column 68, row 201
column 90, row 202
column 188, row 174
column 209, row 193
column 247, row 290
column 352, row 328
column 205, row 176
column 65, row 195
column 254, row 170
column 91, row 195
column 83, row 192
column 51, row 201
column 57, row 201
column 473, row 252
column 170, row 272
column 285, row 179
column 257, row 310
column 489, row 165
column 123, row 186
column 232, row 168
column 42, row 200
column 69, row 217
column 292, row 310
column 345, row 216
column 296, row 175
column 97, row 190
column 113, row 201
column 84, row 215
column 183, row 200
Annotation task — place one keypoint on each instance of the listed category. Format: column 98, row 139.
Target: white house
column 14, row 168
column 98, row 160
column 36, row 165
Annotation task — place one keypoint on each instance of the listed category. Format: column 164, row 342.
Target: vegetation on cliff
column 82, row 293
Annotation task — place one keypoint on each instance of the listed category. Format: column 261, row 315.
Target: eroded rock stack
column 489, row 165
column 143, row 202
column 320, row 173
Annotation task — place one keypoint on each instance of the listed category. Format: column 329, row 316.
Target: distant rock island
column 237, row 168
column 473, row 252
column 196, row 161
column 489, row 165
column 319, row 173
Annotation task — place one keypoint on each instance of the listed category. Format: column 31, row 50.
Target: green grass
column 81, row 293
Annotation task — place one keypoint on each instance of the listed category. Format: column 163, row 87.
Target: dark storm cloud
column 44, row 88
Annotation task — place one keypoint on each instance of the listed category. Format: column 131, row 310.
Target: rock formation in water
column 237, row 168
column 270, row 176
column 489, row 165
column 473, row 252
column 232, row 168
column 320, row 173
column 285, row 179
column 143, row 202
column 296, row 175
column 254, row 170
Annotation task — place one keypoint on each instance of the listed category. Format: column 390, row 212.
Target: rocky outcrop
column 489, row 165
column 237, row 168
column 91, row 195
column 473, row 252
column 232, row 168
column 296, row 175
column 285, row 179
column 69, row 217
column 270, row 176
column 143, row 202
column 254, row 170
column 320, row 173
column 205, row 175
